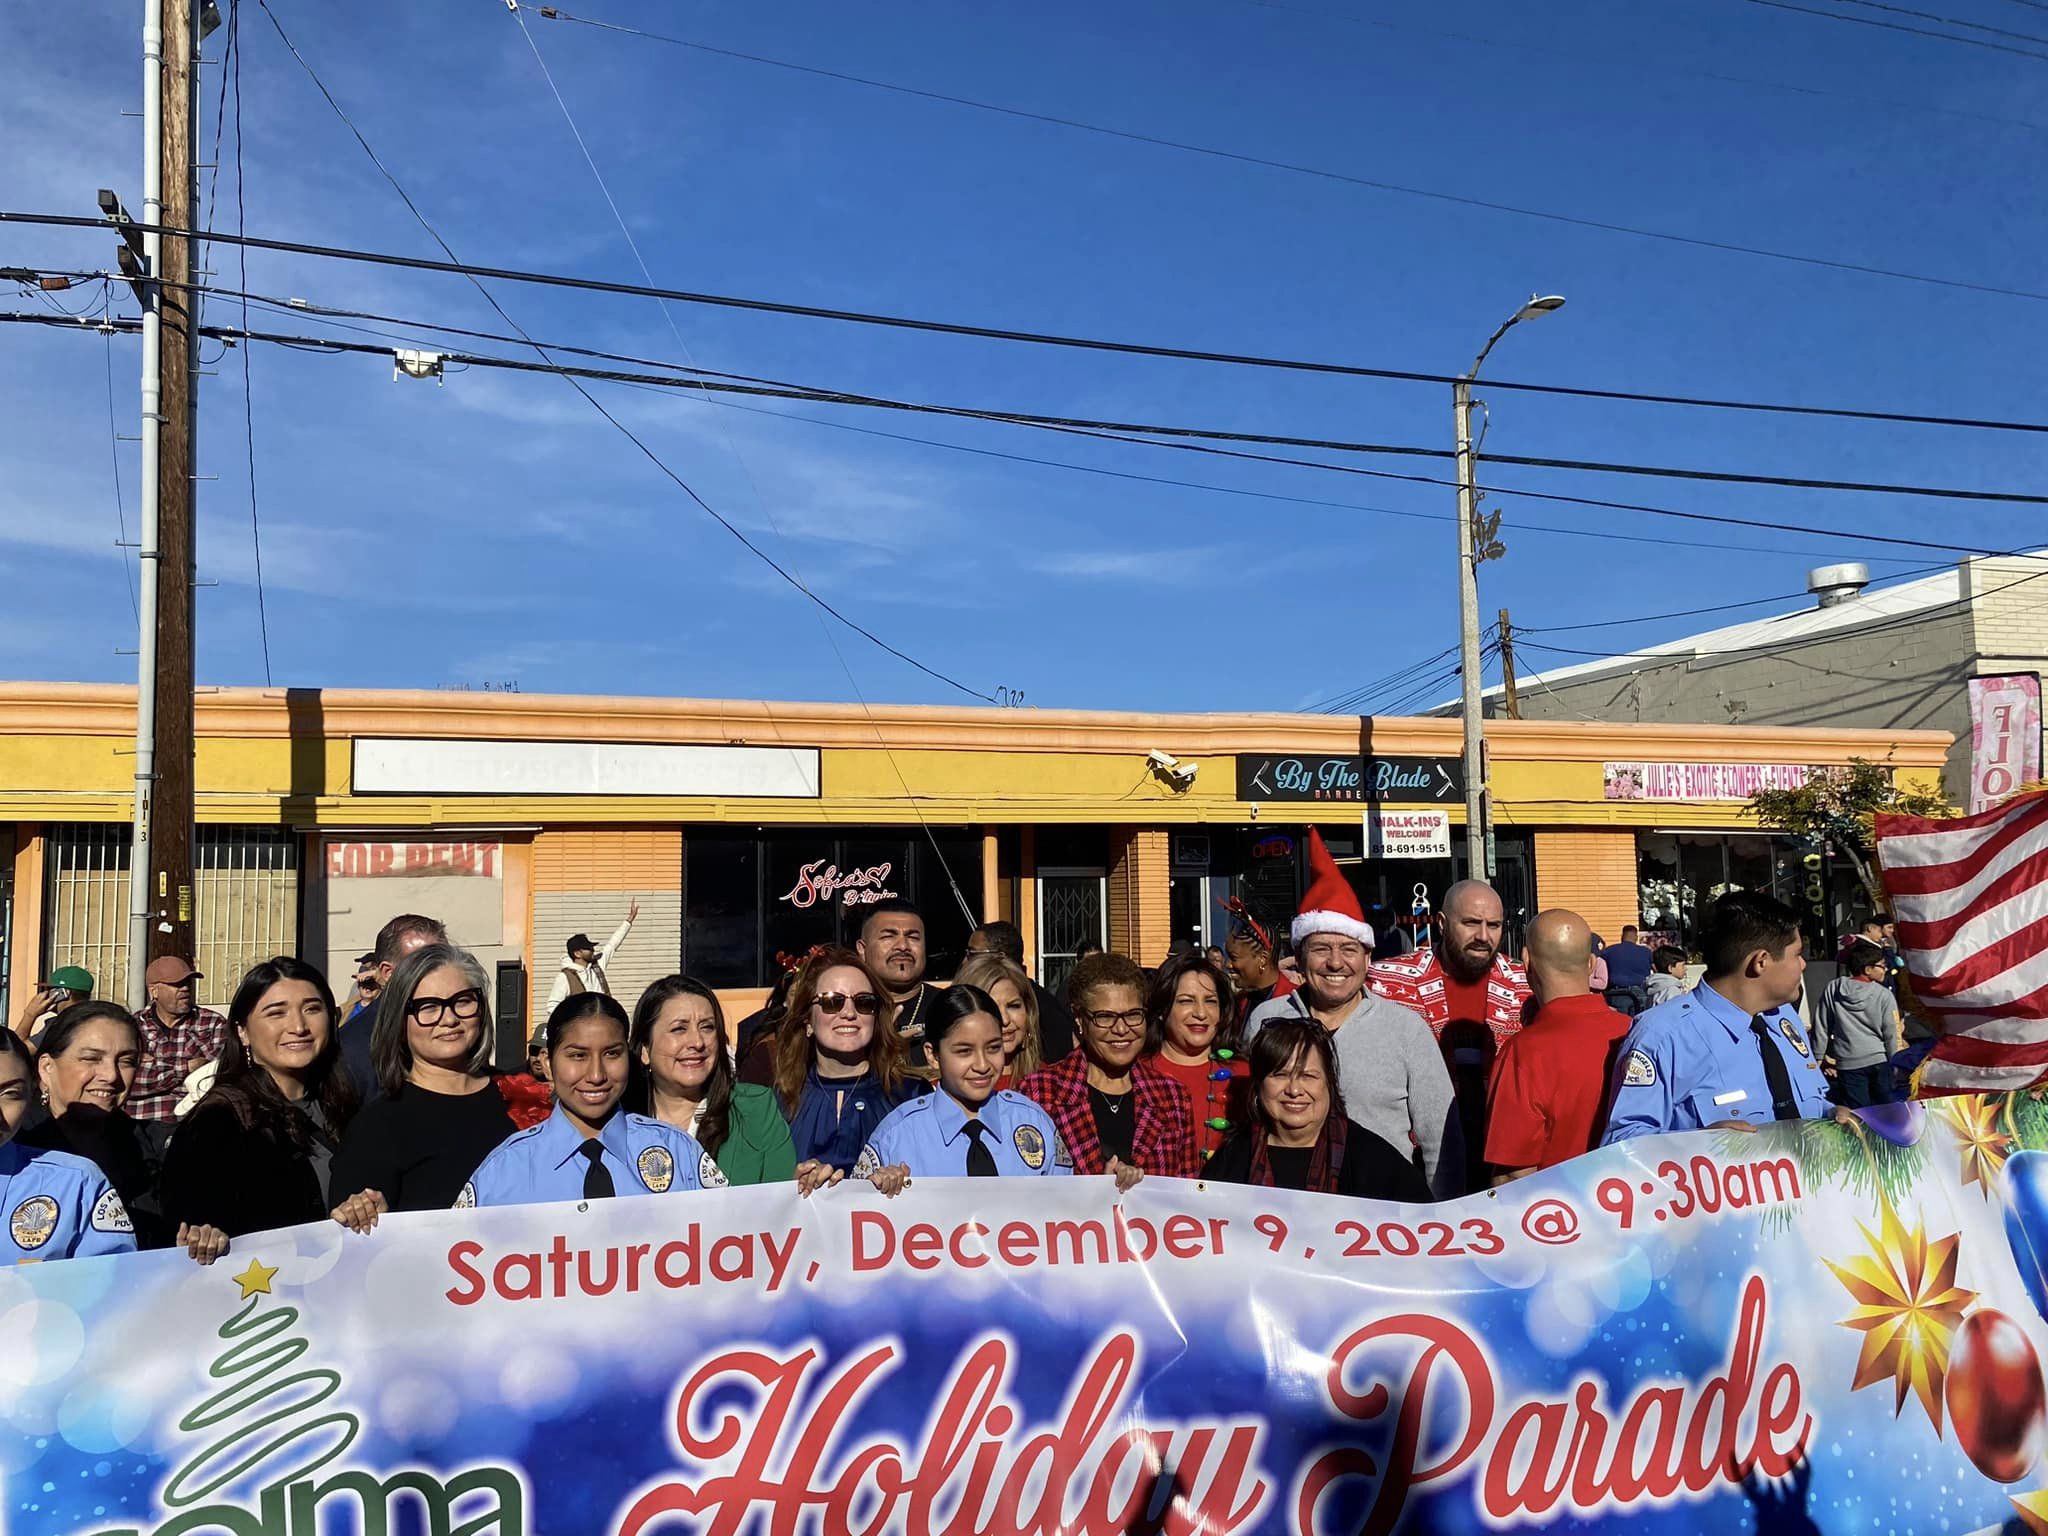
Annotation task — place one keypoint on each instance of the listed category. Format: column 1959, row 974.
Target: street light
column 1478, row 865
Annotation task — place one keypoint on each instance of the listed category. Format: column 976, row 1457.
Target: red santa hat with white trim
column 1330, row 906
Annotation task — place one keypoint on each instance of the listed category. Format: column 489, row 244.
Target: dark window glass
column 722, row 907
column 945, row 926
column 883, row 863
column 798, row 908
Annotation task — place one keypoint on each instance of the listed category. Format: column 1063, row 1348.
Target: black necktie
column 981, row 1163
column 597, row 1179
column 1784, row 1102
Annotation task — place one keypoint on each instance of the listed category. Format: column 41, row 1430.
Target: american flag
column 1971, row 899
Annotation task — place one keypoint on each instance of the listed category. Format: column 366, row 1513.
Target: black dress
column 1372, row 1169
column 419, row 1149
column 241, row 1178
column 127, row 1151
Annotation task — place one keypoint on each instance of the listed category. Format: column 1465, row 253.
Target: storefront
column 741, row 831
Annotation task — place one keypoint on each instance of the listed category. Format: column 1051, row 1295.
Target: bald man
column 1468, row 992
column 1550, row 1079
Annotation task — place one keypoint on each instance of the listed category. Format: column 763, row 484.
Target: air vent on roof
column 1834, row 584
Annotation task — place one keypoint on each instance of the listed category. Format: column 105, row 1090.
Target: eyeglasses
column 1130, row 1023
column 432, row 1010
column 865, row 1004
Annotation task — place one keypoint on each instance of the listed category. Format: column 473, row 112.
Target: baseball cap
column 72, row 978
column 363, row 960
column 170, row 968
column 579, row 941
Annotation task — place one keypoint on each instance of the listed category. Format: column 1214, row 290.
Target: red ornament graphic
column 1995, row 1395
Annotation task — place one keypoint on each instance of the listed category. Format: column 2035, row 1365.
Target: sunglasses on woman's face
column 864, row 1003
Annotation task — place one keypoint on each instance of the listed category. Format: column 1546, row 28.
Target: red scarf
column 1324, row 1163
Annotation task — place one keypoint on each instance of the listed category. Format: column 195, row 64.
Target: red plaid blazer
column 1162, row 1135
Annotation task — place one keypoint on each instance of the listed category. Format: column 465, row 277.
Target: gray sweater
column 1856, row 1023
column 1392, row 1075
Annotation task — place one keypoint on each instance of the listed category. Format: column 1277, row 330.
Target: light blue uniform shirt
column 58, row 1207
column 1693, row 1061
column 545, row 1162
column 929, row 1136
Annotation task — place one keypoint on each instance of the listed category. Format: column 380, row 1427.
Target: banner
column 1407, row 834
column 2005, row 737
column 1698, row 781
column 1820, row 1327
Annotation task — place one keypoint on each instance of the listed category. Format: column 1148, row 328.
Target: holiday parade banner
column 1820, row 1327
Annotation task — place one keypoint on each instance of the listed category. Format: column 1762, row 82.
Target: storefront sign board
column 2005, row 736
column 1400, row 780
column 1407, row 834
column 1699, row 781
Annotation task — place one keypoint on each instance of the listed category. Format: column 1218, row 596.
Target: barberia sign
column 384, row 861
column 1411, row 780
column 821, row 882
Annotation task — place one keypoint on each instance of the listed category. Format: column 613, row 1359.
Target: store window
column 1679, row 873
column 748, row 899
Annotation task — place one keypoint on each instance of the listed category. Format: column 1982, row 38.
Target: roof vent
column 1834, row 584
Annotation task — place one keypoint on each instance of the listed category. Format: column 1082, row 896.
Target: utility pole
column 1512, row 699
column 1476, row 867
column 160, row 883
column 1474, row 545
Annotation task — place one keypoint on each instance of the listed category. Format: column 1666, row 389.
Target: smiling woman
column 679, row 1073
column 440, row 1113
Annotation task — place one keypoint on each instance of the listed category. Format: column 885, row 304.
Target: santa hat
column 1330, row 906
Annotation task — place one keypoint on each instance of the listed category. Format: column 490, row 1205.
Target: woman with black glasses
column 441, row 1112
column 839, row 1067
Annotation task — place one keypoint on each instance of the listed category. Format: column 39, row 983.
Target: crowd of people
column 1315, row 1065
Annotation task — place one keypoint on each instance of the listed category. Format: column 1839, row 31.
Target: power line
column 1841, row 535
column 1894, row 26
column 1687, row 613
column 1947, row 21
column 996, row 333
column 1319, row 172
column 454, row 263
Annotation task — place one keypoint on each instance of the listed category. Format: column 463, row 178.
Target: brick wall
column 1140, row 922
column 584, row 880
column 1590, row 873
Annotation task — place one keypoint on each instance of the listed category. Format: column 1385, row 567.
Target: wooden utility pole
column 1509, row 697
column 170, row 842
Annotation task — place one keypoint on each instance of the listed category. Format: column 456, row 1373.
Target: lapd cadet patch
column 1061, row 1157
column 1641, row 1073
column 1798, row 1041
column 1030, row 1146
column 466, row 1201
column 869, row 1163
column 110, row 1215
column 709, row 1174
column 33, row 1223
column 657, row 1170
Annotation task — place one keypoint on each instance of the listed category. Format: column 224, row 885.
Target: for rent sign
column 395, row 860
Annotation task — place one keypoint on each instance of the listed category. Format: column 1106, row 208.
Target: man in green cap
column 68, row 984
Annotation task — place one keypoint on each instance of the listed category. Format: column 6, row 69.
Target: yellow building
column 746, row 830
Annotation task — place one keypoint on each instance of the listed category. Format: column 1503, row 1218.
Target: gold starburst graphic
column 1908, row 1307
column 1985, row 1144
column 2033, row 1508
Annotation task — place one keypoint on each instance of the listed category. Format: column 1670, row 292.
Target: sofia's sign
column 820, row 881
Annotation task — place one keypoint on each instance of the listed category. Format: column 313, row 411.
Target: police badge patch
column 1030, row 1146
column 1641, row 1073
column 869, row 1163
column 709, row 1174
column 466, row 1201
column 110, row 1215
column 33, row 1223
column 1793, row 1035
column 657, row 1170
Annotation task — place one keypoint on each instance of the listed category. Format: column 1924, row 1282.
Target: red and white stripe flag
column 1971, row 900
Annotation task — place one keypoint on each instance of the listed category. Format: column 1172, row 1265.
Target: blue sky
column 497, row 529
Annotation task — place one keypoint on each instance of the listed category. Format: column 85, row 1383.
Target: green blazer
column 757, row 1147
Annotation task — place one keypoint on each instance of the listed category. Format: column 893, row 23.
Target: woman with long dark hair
column 257, row 1152
column 1299, row 1136
column 85, row 1068
column 839, row 1064
column 440, row 1112
column 680, row 1074
column 590, row 1147
column 58, row 1206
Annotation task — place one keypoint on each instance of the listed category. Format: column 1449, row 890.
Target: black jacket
column 239, row 1178
column 127, row 1151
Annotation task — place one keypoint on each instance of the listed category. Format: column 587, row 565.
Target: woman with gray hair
column 440, row 1112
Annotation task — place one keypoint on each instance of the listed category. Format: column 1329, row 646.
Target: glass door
column 1073, row 906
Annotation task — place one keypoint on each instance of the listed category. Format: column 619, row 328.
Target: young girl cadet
column 589, row 1148
column 969, row 1126
column 57, row 1206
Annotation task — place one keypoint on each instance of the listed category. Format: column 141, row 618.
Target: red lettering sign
column 379, row 861
column 821, row 881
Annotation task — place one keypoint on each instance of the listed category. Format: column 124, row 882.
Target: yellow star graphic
column 2033, row 1508
column 1985, row 1145
column 1908, row 1307
column 255, row 1280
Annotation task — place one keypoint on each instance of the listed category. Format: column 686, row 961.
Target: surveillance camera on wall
column 1172, row 769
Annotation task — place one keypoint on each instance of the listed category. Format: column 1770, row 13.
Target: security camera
column 1165, row 762
column 1170, row 768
